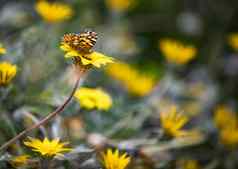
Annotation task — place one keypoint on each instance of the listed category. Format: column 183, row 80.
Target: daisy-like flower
column 227, row 123
column 46, row 147
column 79, row 48
column 7, row 73
column 2, row 49
column 91, row 98
column 172, row 122
column 229, row 135
column 233, row 40
column 19, row 161
column 113, row 160
column 176, row 52
column 224, row 116
column 53, row 12
column 135, row 82
column 189, row 164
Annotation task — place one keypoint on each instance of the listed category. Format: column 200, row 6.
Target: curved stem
column 34, row 120
column 47, row 118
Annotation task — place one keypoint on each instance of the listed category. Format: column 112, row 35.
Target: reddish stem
column 47, row 118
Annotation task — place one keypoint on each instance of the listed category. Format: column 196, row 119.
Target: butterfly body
column 83, row 42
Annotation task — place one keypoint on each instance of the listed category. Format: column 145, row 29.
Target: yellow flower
column 78, row 47
column 7, row 73
column 19, row 160
column 176, row 52
column 136, row 83
column 46, row 147
column 233, row 40
column 96, row 59
column 229, row 135
column 224, row 116
column 119, row 5
column 227, row 123
column 2, row 49
column 53, row 12
column 172, row 122
column 90, row 98
column 113, row 160
column 189, row 164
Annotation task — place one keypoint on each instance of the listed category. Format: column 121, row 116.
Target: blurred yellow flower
column 19, row 161
column 233, row 40
column 91, row 98
column 78, row 47
column 229, row 135
column 224, row 116
column 113, row 160
column 53, row 12
column 136, row 83
column 227, row 123
column 172, row 122
column 119, row 5
column 2, row 49
column 7, row 73
column 46, row 147
column 189, row 164
column 176, row 52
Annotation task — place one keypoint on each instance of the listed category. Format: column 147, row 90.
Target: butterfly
column 83, row 42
